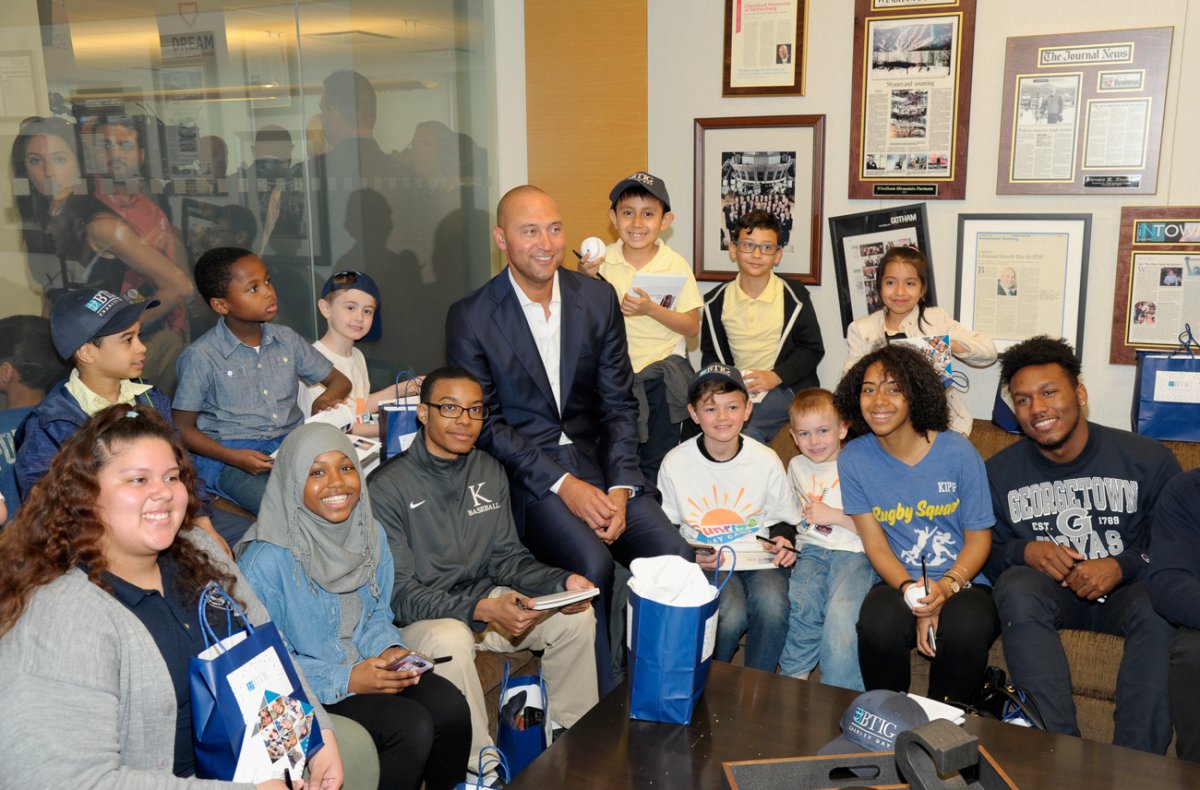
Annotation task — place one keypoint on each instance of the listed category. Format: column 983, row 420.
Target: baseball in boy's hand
column 592, row 248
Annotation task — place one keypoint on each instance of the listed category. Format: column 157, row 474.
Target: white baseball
column 913, row 595
column 593, row 248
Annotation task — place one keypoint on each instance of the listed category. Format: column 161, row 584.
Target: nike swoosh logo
column 414, row 505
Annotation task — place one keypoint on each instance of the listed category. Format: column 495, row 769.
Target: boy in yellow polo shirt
column 763, row 325
column 657, row 329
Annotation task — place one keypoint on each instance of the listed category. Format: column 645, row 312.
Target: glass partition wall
column 324, row 136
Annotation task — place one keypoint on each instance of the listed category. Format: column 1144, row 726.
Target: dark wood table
column 745, row 714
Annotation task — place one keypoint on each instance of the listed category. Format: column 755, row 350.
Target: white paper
column 566, row 598
column 670, row 580
column 664, row 289
column 1176, row 386
column 938, row 710
column 257, row 676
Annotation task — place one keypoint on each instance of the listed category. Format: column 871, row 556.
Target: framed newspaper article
column 1021, row 275
column 1158, row 280
column 911, row 99
column 1083, row 113
column 765, row 48
column 773, row 163
column 860, row 241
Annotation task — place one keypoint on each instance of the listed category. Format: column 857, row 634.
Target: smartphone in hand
column 416, row 661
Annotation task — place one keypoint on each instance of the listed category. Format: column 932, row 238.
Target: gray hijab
column 340, row 558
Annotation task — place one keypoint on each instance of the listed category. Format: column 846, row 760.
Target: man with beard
column 1075, row 504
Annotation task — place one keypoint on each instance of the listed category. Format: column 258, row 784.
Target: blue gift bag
column 519, row 740
column 670, row 653
column 398, row 422
column 228, row 699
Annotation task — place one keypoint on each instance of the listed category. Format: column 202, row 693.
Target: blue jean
column 242, row 488
column 1032, row 608
column 826, row 592
column 769, row 415
column 754, row 603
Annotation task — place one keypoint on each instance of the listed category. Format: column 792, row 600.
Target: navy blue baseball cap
column 873, row 721
column 717, row 372
column 82, row 315
column 350, row 280
column 652, row 184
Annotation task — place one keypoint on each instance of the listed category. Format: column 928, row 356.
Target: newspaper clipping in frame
column 1045, row 132
column 1164, row 294
column 910, row 97
column 1019, row 283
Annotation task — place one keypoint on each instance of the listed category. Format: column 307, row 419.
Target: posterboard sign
column 1083, row 112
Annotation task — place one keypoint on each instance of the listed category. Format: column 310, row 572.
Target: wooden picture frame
column 775, row 163
column 859, row 241
column 913, row 62
column 1047, row 255
column 1150, row 306
column 765, row 48
column 1063, row 96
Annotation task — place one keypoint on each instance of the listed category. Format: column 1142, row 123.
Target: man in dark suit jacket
column 548, row 345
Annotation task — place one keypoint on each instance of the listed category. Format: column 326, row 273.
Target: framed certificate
column 764, row 48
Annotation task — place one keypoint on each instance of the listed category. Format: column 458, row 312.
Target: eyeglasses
column 749, row 247
column 451, row 411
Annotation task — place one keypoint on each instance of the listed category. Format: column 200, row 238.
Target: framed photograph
column 1158, row 280
column 911, row 101
column 859, row 241
column 1021, row 275
column 765, row 48
column 774, row 163
column 1083, row 112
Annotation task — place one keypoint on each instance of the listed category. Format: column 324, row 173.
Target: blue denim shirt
column 308, row 616
column 240, row 393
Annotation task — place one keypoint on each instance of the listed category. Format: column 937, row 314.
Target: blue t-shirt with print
column 10, row 420
column 923, row 509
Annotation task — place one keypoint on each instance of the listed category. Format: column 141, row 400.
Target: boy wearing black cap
column 351, row 304
column 657, row 331
column 725, row 489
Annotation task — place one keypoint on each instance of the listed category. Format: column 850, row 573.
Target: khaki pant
column 568, row 664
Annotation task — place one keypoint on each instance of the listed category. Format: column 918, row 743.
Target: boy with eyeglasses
column 351, row 304
column 463, row 578
column 763, row 325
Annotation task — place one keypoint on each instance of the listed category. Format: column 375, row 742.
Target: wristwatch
column 954, row 586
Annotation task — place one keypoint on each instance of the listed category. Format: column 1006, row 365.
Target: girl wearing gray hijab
column 321, row 565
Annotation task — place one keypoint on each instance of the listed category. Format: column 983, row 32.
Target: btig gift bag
column 672, row 630
column 1166, row 395
column 251, row 719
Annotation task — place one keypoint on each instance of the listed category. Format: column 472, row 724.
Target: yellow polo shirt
column 91, row 403
column 650, row 341
column 754, row 324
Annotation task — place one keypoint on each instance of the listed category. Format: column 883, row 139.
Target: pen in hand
column 925, row 579
column 771, row 542
column 287, row 778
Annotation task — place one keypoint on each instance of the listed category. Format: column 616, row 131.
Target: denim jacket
column 307, row 615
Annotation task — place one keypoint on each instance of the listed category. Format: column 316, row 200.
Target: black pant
column 422, row 734
column 663, row 434
column 557, row 537
column 1184, row 692
column 887, row 633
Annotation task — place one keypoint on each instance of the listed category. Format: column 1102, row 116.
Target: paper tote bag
column 518, row 695
column 397, row 422
column 670, row 653
column 250, row 716
column 1166, row 397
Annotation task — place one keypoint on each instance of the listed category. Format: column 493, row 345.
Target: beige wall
column 585, row 76
column 684, row 78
